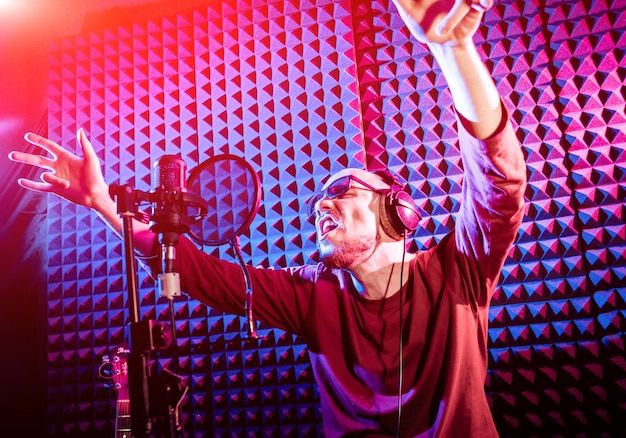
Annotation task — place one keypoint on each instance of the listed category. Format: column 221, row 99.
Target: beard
column 348, row 253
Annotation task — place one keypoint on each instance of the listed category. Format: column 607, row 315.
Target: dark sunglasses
column 337, row 188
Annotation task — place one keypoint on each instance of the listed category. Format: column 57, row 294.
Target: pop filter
column 231, row 189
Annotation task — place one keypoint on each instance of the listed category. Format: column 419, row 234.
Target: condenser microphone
column 169, row 218
column 169, row 174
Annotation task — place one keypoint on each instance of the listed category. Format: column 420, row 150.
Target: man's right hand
column 78, row 180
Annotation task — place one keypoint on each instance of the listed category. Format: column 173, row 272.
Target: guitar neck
column 122, row 419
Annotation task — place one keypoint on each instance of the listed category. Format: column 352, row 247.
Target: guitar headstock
column 115, row 368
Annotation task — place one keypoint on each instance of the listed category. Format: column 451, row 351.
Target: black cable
column 401, row 346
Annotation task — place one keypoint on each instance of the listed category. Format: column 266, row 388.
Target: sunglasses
column 336, row 189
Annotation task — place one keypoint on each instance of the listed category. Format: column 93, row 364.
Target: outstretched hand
column 78, row 180
column 442, row 21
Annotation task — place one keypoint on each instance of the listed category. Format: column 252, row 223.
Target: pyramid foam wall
column 301, row 90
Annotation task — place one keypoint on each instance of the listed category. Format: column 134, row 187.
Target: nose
column 322, row 204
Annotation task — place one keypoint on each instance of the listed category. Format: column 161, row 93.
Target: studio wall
column 301, row 90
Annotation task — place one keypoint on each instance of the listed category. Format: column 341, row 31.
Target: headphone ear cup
column 399, row 214
column 385, row 219
column 406, row 211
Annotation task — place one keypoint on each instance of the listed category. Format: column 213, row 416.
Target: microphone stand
column 138, row 371
column 146, row 411
column 169, row 222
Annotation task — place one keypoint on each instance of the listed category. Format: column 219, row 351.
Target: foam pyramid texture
column 301, row 90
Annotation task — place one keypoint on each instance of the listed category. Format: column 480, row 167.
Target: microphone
column 169, row 218
column 169, row 174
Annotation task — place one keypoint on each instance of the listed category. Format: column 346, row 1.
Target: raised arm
column 494, row 171
column 78, row 180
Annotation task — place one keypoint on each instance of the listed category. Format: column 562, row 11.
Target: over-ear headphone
column 398, row 212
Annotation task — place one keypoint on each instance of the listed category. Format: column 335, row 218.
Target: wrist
column 101, row 202
column 450, row 51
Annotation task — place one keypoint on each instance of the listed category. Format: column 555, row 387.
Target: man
column 397, row 341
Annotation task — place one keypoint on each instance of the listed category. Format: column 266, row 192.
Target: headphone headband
column 389, row 178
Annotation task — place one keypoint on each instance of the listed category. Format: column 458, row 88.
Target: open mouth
column 326, row 224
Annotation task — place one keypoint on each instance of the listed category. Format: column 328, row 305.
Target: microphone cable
column 401, row 346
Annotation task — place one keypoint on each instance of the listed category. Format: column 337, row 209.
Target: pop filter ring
column 233, row 237
column 196, row 172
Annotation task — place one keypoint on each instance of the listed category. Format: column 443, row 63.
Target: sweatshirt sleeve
column 280, row 296
column 492, row 205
